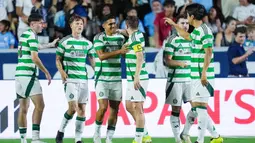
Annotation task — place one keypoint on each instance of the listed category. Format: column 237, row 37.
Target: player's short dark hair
column 229, row 19
column 34, row 17
column 75, row 18
column 6, row 23
column 107, row 17
column 132, row 22
column 240, row 29
column 169, row 2
column 197, row 10
column 184, row 16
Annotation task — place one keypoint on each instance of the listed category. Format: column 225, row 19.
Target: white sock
column 175, row 124
column 23, row 134
column 110, row 132
column 211, row 128
column 98, row 128
column 35, row 132
column 190, row 119
column 65, row 122
column 139, row 135
column 145, row 133
column 202, row 123
column 79, row 127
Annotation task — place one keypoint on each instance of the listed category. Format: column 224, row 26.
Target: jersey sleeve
column 91, row 51
column 98, row 43
column 137, row 46
column 60, row 49
column 169, row 46
column 33, row 43
column 207, row 41
column 19, row 3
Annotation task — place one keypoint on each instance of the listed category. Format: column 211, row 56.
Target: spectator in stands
column 7, row 39
column 245, row 12
column 162, row 30
column 250, row 41
column 227, row 37
column 142, row 7
column 6, row 7
column 74, row 8
column 149, row 20
column 237, row 56
column 214, row 20
column 227, row 7
column 38, row 8
column 23, row 10
column 132, row 12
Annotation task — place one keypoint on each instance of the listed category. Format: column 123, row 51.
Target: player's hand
column 204, row 81
column 137, row 84
column 48, row 77
column 183, row 65
column 169, row 21
column 64, row 76
column 124, row 49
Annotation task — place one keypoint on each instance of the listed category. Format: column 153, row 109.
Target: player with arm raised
column 71, row 55
column 202, row 70
column 26, row 78
column 109, row 45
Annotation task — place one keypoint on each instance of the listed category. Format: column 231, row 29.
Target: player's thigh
column 72, row 91
column 174, row 94
column 27, row 87
column 115, row 91
column 83, row 93
column 102, row 90
column 198, row 90
column 187, row 92
column 137, row 95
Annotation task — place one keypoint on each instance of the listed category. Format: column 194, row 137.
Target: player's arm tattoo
column 207, row 58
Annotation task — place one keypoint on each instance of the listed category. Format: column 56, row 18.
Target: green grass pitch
column 129, row 140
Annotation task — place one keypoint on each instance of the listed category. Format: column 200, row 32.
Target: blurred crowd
column 223, row 17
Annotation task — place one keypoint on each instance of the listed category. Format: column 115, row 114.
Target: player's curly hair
column 75, row 17
column 197, row 10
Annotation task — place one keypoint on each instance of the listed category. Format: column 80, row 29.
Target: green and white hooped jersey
column 108, row 70
column 180, row 50
column 202, row 38
column 74, row 53
column 28, row 42
column 136, row 44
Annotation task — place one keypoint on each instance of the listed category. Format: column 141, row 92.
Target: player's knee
column 102, row 109
column 40, row 107
column 129, row 108
column 114, row 112
column 72, row 108
column 23, row 110
column 139, row 108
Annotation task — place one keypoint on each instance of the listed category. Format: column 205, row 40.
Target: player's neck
column 197, row 23
column 33, row 30
column 108, row 33
column 76, row 35
column 131, row 31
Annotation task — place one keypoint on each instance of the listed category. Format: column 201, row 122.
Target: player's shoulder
column 171, row 39
column 99, row 36
column 65, row 39
column 204, row 29
column 87, row 41
column 137, row 36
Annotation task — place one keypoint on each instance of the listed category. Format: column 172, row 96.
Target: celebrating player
column 137, row 76
column 177, row 57
column 202, row 70
column 109, row 46
column 27, row 83
column 72, row 52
